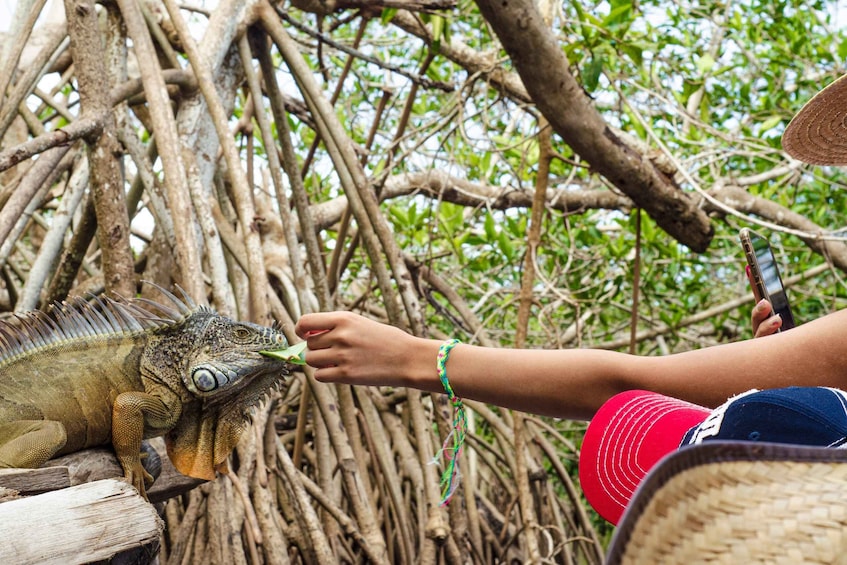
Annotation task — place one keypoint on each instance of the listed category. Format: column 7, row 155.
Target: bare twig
column 417, row 79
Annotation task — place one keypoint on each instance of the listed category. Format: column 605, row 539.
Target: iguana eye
column 240, row 332
column 204, row 379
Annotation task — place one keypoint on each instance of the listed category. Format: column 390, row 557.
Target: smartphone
column 764, row 275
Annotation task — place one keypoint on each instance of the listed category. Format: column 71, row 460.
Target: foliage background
column 415, row 105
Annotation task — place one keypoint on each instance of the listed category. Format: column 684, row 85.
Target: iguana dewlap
column 115, row 371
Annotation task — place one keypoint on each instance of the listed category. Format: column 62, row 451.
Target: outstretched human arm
column 572, row 383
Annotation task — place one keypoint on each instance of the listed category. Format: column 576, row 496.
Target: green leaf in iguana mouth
column 294, row 354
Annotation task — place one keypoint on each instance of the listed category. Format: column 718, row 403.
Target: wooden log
column 79, row 524
column 93, row 465
column 100, row 463
column 35, row 481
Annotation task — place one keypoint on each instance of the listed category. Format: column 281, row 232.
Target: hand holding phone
column 764, row 275
column 763, row 321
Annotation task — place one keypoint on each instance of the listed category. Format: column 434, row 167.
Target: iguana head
column 214, row 364
column 225, row 357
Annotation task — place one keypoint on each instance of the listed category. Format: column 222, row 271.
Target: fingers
column 761, row 312
column 769, row 326
column 333, row 362
column 327, row 338
column 345, row 347
column 321, row 357
column 763, row 319
column 332, row 375
column 313, row 324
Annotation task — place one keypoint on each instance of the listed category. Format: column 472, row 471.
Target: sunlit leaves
column 714, row 82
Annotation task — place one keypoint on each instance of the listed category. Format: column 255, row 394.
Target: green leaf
column 505, row 245
column 490, row 230
column 634, row 52
column 294, row 354
column 437, row 31
column 388, row 15
column 618, row 16
column 591, row 74
column 771, row 122
column 705, row 63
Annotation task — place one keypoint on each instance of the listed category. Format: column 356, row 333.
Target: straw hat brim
column 738, row 502
column 818, row 133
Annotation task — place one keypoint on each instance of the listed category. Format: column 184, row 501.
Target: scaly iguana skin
column 118, row 371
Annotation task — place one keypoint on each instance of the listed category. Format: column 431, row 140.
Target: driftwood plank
column 35, row 481
column 80, row 524
column 100, row 463
column 93, row 465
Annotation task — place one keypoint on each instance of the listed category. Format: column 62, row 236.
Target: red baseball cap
column 630, row 433
column 633, row 430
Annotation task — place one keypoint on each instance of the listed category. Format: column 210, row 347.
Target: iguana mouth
column 296, row 354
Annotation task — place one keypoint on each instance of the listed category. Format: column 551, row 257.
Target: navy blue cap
column 794, row 415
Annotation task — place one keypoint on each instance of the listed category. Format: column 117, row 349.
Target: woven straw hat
column 738, row 502
column 818, row 133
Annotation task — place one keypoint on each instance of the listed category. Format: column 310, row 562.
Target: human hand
column 351, row 349
column 764, row 323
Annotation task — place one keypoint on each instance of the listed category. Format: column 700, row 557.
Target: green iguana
column 115, row 370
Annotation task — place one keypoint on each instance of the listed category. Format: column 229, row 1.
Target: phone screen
column 765, row 275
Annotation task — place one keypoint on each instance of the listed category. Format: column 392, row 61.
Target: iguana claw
column 142, row 476
column 138, row 477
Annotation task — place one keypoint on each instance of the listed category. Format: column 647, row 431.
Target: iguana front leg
column 132, row 413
